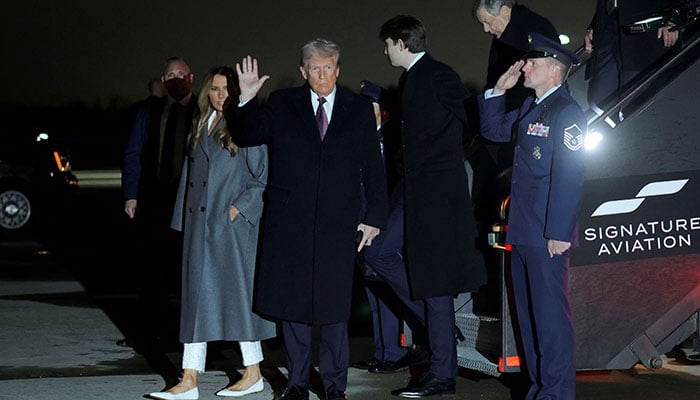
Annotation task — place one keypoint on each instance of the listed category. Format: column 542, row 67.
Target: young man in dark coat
column 431, row 212
column 323, row 149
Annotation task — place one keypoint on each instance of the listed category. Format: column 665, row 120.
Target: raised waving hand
column 249, row 81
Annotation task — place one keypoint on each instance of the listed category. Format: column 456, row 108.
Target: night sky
column 102, row 53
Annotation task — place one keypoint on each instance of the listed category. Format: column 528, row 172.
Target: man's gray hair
column 491, row 6
column 319, row 47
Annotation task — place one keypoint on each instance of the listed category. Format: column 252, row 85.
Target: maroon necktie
column 321, row 119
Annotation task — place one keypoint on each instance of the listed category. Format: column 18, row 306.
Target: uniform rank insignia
column 538, row 129
column 536, row 153
column 573, row 138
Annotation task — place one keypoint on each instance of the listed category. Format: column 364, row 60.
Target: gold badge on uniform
column 536, row 153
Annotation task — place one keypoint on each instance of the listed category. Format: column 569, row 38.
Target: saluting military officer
column 546, row 192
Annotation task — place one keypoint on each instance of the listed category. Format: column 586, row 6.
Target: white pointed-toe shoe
column 192, row 394
column 256, row 387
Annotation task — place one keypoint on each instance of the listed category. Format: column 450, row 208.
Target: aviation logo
column 629, row 205
column 624, row 229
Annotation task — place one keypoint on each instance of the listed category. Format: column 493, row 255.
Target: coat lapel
column 305, row 112
column 340, row 111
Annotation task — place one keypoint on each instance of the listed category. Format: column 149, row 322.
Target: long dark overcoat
column 219, row 255
column 512, row 46
column 440, row 230
column 313, row 200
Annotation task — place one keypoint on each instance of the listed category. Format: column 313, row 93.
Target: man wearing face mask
column 153, row 159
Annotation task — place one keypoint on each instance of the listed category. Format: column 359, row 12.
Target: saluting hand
column 509, row 78
column 249, row 81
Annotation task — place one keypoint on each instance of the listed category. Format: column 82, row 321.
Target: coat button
column 202, row 209
column 204, row 184
column 189, row 210
column 191, row 184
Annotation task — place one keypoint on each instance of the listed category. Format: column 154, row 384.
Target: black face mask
column 178, row 88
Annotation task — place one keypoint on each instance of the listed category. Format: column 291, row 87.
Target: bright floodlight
column 592, row 140
column 564, row 39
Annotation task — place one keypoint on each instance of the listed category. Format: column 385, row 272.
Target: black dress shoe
column 295, row 393
column 419, row 354
column 389, row 367
column 365, row 364
column 429, row 385
column 334, row 394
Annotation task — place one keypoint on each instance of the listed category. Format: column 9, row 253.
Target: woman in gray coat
column 219, row 205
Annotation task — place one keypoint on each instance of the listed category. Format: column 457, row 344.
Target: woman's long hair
column 222, row 136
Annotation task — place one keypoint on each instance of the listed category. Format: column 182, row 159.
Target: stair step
column 471, row 359
column 481, row 344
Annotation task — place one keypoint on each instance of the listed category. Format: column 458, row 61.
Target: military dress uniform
column 546, row 193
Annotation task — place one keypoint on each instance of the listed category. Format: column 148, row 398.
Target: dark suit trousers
column 608, row 74
column 436, row 313
column 540, row 288
column 385, row 322
column 334, row 354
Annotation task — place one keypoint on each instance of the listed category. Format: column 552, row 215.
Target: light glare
column 592, row 140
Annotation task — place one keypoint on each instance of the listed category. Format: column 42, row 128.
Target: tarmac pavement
column 58, row 344
column 64, row 306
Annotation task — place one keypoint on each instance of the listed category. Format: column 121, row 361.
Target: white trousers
column 194, row 355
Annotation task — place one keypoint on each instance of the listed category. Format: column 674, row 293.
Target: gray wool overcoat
column 219, row 255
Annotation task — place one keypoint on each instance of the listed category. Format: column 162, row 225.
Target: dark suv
column 36, row 185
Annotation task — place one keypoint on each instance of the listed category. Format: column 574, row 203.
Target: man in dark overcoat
column 151, row 168
column 509, row 23
column 431, row 212
column 323, row 150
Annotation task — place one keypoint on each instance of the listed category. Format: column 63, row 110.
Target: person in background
column 389, row 356
column 617, row 56
column 546, row 195
column 156, row 92
column 218, row 207
column 324, row 151
column 153, row 159
column 509, row 23
column 430, row 209
column 156, row 88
